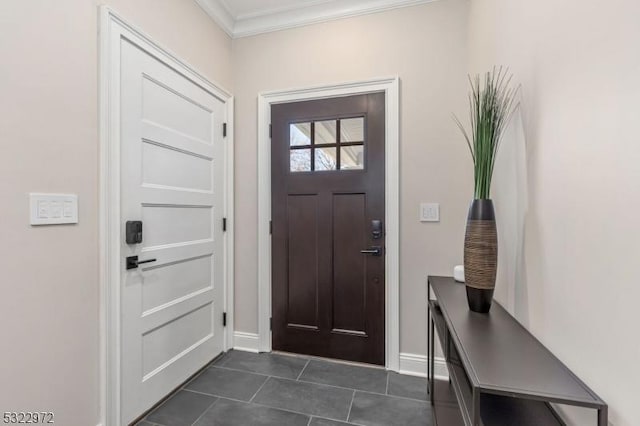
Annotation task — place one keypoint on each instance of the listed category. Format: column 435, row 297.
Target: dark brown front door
column 328, row 176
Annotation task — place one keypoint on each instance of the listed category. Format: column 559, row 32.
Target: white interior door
column 172, row 179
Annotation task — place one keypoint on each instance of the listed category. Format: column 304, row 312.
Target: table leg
column 428, row 344
column 431, row 359
column 475, row 413
column 602, row 416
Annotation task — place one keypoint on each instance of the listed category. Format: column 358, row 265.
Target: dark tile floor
column 243, row 389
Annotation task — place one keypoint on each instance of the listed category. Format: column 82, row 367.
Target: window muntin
column 327, row 145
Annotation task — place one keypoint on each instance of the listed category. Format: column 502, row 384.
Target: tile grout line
column 269, row 376
column 288, row 410
column 302, row 371
column 205, row 411
column 226, row 397
column 321, row 384
column 304, row 381
column 358, row 390
column 202, row 393
column 222, row 367
column 202, row 371
column 353, row 397
column 257, row 405
column 259, row 389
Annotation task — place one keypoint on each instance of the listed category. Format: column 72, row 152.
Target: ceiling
column 241, row 18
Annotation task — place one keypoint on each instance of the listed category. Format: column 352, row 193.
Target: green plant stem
column 491, row 106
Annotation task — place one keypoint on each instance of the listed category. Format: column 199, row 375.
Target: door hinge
column 270, row 227
column 270, row 130
column 224, row 130
column 224, row 224
column 270, row 324
column 224, row 319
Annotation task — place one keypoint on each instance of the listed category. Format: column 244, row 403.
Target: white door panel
column 176, row 280
column 164, row 105
column 172, row 165
column 154, row 133
column 187, row 172
column 176, row 224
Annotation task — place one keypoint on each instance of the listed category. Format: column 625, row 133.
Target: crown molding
column 291, row 17
column 218, row 11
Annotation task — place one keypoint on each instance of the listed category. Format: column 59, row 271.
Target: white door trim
column 391, row 87
column 112, row 29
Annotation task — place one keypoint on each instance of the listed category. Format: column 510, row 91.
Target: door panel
column 327, row 186
column 187, row 171
column 173, row 281
column 171, row 180
column 349, row 272
column 167, row 107
column 164, row 343
column 302, row 303
column 187, row 224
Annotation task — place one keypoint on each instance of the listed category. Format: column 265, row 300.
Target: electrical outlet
column 429, row 212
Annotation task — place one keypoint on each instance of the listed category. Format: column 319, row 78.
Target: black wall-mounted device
column 134, row 232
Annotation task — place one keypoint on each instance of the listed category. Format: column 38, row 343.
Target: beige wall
column 49, row 143
column 425, row 47
column 566, row 186
column 574, row 278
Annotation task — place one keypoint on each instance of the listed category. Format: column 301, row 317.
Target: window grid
column 313, row 146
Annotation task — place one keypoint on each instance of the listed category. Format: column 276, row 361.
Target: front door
column 171, row 181
column 328, row 243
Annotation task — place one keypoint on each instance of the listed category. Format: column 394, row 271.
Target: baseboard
column 416, row 365
column 248, row 342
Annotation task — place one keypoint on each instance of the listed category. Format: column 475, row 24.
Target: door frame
column 391, row 87
column 112, row 28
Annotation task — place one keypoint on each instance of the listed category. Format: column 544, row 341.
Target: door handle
column 374, row 251
column 133, row 262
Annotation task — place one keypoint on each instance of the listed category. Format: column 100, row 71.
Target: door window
column 327, row 145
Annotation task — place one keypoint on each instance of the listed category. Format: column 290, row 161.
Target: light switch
column 53, row 209
column 429, row 212
column 43, row 209
column 56, row 209
column 68, row 209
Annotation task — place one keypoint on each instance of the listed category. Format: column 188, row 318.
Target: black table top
column 501, row 356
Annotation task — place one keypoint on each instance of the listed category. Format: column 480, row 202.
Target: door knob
column 133, row 262
column 374, row 251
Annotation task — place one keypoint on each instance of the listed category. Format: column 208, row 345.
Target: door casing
column 112, row 29
column 391, row 87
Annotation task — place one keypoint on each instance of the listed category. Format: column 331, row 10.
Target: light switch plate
column 429, row 212
column 53, row 209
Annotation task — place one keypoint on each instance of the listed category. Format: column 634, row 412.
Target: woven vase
column 480, row 255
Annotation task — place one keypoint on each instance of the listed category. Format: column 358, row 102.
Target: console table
column 500, row 373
